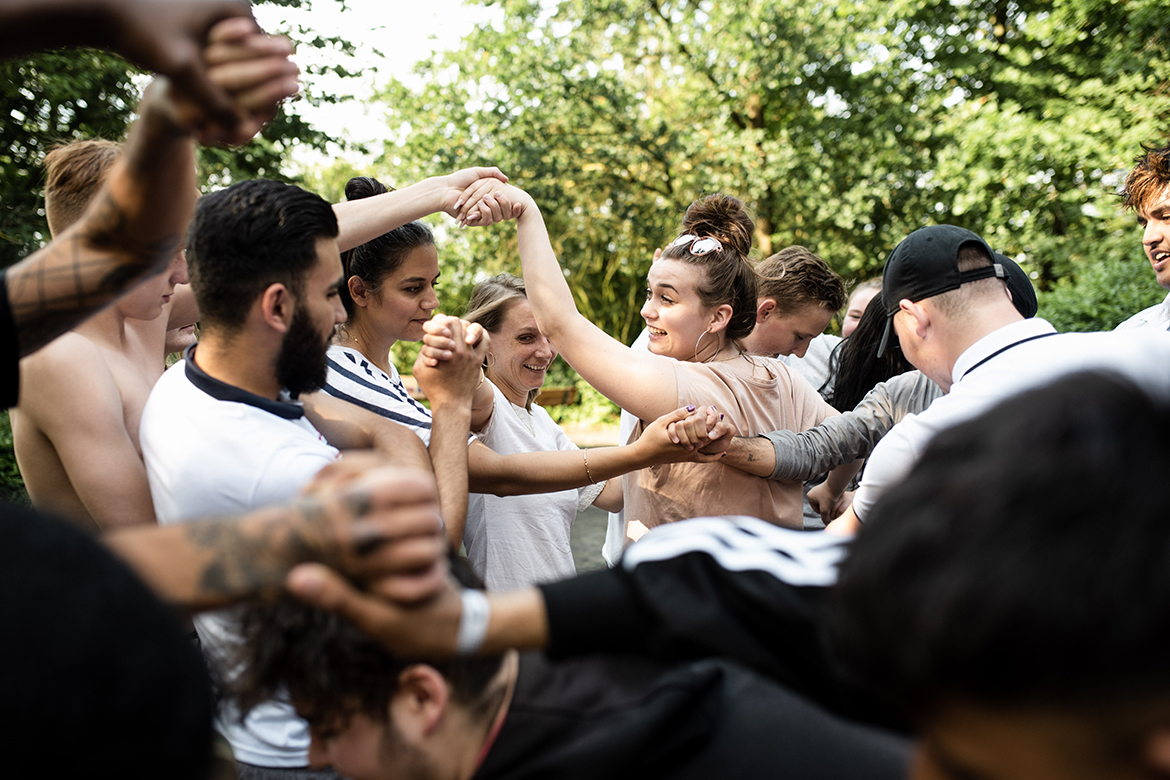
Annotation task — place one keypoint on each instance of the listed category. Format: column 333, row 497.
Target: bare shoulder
column 57, row 378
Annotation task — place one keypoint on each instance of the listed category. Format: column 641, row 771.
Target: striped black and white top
column 355, row 379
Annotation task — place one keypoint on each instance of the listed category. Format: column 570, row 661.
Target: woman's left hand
column 699, row 435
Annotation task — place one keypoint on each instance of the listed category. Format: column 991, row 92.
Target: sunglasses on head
column 699, row 246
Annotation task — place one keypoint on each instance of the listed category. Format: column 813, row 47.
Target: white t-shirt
column 213, row 449
column 514, row 541
column 1017, row 357
column 1157, row 316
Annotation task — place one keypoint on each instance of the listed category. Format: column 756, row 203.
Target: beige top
column 757, row 397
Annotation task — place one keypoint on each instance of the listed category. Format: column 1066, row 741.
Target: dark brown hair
column 728, row 276
column 374, row 260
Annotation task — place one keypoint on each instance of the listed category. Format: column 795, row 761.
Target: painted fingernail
column 720, row 417
column 691, row 408
column 458, row 203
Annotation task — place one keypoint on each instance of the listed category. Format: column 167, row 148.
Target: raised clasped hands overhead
column 488, row 201
column 253, row 69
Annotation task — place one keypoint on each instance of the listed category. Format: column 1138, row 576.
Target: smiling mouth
column 535, row 368
column 1159, row 257
column 655, row 331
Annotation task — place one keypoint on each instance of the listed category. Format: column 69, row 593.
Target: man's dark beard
column 300, row 366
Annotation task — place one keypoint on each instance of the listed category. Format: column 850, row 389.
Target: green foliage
column 45, row 100
column 1102, row 294
column 844, row 127
column 58, row 97
column 11, row 484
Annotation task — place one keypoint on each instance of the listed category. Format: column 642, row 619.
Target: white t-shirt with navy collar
column 213, row 449
column 1014, row 358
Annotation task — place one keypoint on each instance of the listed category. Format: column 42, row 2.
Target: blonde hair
column 490, row 302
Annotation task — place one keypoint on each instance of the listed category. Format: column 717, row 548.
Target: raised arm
column 135, row 222
column 162, row 36
column 640, row 382
column 363, row 220
column 450, row 388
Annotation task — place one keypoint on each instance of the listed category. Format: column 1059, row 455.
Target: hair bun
column 364, row 187
column 723, row 217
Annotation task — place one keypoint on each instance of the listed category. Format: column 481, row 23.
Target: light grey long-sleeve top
column 852, row 435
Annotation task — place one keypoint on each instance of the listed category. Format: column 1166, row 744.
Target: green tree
column 57, row 97
column 844, row 127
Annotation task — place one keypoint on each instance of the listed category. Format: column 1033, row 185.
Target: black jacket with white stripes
column 737, row 587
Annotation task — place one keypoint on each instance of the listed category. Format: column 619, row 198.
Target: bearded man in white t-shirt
column 236, row 424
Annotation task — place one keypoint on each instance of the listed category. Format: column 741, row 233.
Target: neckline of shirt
column 222, row 391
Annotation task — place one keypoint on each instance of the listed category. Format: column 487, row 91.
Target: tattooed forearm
column 251, row 557
column 58, row 287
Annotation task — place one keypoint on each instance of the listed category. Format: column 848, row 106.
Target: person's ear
column 919, row 318
column 765, row 307
column 420, row 702
column 358, row 291
column 1157, row 751
column 277, row 307
column 720, row 317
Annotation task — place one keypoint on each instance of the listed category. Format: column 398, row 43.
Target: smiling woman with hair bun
column 700, row 305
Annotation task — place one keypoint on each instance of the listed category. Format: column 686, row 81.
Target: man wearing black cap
column 949, row 309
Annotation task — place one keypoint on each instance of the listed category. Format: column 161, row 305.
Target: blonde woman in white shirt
column 515, row 541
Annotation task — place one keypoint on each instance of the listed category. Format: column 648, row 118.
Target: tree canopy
column 61, row 96
column 844, row 127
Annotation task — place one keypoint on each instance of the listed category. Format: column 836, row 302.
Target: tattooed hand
column 380, row 528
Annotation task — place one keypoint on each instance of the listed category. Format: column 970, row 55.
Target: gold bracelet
column 585, row 457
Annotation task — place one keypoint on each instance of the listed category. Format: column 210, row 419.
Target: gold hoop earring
column 490, row 360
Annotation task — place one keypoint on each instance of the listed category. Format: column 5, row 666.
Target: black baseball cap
column 925, row 264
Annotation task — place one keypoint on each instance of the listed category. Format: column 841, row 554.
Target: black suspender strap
column 1001, row 350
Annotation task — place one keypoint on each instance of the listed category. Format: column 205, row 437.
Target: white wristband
column 473, row 622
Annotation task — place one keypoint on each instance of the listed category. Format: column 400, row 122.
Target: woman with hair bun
column 700, row 306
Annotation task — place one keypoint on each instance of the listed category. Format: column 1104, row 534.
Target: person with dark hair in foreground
column 377, row 715
column 1006, row 596
column 98, row 675
column 1021, row 614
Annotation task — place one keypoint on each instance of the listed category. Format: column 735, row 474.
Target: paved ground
column 589, row 527
column 588, row 536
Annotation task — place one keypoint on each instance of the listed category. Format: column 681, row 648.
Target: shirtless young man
column 76, row 429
